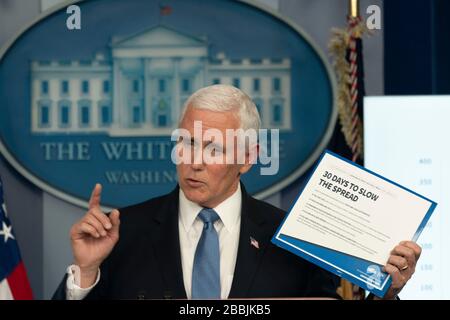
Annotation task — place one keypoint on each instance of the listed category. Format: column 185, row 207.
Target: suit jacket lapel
column 167, row 248
column 249, row 255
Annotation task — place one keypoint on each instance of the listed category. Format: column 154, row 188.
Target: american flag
column 14, row 283
column 254, row 243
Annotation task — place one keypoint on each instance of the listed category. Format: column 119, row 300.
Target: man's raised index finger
column 94, row 201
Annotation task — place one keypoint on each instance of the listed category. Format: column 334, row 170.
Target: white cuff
column 73, row 291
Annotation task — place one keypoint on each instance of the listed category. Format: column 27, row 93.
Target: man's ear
column 251, row 157
column 252, row 154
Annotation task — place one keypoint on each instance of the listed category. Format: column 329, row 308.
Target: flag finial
column 353, row 8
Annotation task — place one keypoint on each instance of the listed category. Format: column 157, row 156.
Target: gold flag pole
column 347, row 289
column 353, row 8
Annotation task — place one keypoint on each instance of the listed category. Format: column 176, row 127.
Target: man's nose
column 197, row 159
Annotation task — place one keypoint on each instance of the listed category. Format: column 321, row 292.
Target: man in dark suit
column 207, row 238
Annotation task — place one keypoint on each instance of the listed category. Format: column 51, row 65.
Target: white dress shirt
column 190, row 229
column 227, row 227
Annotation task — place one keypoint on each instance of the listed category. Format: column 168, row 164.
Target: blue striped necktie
column 206, row 270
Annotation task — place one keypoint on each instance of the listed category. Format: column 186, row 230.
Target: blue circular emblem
column 98, row 102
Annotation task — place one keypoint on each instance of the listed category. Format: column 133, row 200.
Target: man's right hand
column 93, row 238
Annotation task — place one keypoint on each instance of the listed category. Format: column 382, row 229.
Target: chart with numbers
column 407, row 140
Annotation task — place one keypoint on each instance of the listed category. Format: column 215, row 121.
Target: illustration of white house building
column 141, row 88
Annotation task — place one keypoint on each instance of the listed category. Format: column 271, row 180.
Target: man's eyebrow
column 209, row 142
column 184, row 138
column 191, row 140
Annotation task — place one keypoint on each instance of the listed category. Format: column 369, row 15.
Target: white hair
column 223, row 98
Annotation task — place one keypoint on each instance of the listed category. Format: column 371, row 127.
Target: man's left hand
column 401, row 266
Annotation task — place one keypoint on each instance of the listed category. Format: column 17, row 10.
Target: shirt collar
column 228, row 210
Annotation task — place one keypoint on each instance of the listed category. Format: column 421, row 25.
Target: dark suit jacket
column 146, row 262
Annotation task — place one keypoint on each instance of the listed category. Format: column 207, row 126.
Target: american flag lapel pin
column 254, row 242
